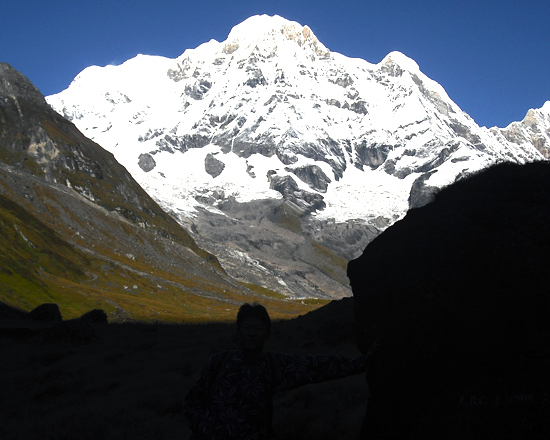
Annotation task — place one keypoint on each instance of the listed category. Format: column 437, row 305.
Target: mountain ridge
column 334, row 149
column 79, row 231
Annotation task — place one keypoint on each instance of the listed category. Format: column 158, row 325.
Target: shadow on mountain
column 458, row 294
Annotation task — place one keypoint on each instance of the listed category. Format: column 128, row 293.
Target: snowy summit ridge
column 270, row 114
column 273, row 31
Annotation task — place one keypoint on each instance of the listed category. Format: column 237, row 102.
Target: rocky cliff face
column 78, row 230
column 333, row 149
column 533, row 130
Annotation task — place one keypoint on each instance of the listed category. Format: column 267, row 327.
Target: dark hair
column 254, row 310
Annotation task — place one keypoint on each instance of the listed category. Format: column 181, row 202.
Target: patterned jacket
column 233, row 397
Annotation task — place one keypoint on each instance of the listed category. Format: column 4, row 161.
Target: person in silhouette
column 233, row 397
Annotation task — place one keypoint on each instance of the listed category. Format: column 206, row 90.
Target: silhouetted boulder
column 95, row 316
column 458, row 293
column 47, row 312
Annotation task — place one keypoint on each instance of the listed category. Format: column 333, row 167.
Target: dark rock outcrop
column 458, row 294
column 45, row 324
column 303, row 202
column 313, row 175
column 371, row 155
column 213, row 166
column 199, row 89
column 421, row 194
column 146, row 162
column 48, row 312
column 95, row 316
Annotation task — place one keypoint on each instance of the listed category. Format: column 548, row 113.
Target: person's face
column 252, row 334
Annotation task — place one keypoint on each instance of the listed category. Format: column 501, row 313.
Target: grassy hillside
column 55, row 246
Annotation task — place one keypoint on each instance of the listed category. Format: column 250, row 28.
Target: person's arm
column 195, row 404
column 294, row 371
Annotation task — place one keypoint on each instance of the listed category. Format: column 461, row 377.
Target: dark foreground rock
column 458, row 294
column 45, row 324
column 47, row 312
column 96, row 315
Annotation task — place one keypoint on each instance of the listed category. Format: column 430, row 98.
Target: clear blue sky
column 492, row 56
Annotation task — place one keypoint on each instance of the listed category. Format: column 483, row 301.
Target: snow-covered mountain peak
column 538, row 115
column 274, row 33
column 265, row 93
column 261, row 25
column 264, row 27
column 135, row 76
column 401, row 60
column 271, row 114
column 534, row 130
